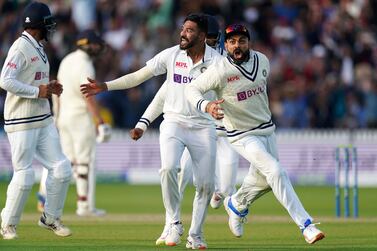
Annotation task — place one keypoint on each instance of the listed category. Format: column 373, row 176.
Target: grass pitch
column 135, row 220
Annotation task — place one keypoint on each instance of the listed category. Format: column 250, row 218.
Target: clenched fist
column 136, row 133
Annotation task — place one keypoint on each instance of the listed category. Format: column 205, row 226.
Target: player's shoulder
column 171, row 50
column 262, row 57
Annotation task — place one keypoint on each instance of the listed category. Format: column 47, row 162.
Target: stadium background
column 323, row 93
column 322, row 88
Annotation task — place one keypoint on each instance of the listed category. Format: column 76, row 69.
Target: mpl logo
column 178, row 78
column 12, row 65
column 34, row 59
column 181, row 64
column 249, row 93
column 233, row 78
column 41, row 75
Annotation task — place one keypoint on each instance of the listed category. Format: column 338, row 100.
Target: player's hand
column 92, row 88
column 44, row 91
column 136, row 133
column 215, row 109
column 55, row 87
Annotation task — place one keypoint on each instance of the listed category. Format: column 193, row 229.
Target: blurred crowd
column 323, row 53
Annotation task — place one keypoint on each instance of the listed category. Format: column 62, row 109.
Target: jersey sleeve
column 154, row 109
column 13, row 66
column 209, row 80
column 158, row 64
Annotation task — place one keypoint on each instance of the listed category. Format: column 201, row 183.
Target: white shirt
column 180, row 72
column 156, row 107
column 25, row 68
column 244, row 88
column 73, row 71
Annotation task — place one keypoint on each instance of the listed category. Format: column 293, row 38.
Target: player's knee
column 63, row 170
column 82, row 171
column 207, row 187
column 169, row 169
column 24, row 178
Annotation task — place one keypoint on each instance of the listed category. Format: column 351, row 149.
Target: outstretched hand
column 215, row 109
column 136, row 133
column 92, row 88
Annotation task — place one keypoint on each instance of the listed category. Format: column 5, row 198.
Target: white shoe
column 55, row 225
column 174, row 236
column 236, row 218
column 161, row 240
column 196, row 243
column 9, row 232
column 311, row 233
column 216, row 200
column 91, row 213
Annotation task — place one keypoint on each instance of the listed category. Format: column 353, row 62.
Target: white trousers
column 201, row 144
column 265, row 173
column 44, row 145
column 227, row 161
column 79, row 145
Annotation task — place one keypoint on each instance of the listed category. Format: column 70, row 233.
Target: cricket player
column 240, row 81
column 226, row 157
column 29, row 125
column 183, row 125
column 78, row 120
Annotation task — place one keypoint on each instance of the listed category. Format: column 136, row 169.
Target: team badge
column 264, row 72
column 203, row 69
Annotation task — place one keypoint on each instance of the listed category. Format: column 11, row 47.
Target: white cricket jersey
column 180, row 71
column 25, row 68
column 73, row 71
column 244, row 88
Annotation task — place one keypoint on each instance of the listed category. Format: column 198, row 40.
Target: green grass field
column 135, row 220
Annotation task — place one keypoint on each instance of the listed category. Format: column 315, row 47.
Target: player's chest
column 184, row 71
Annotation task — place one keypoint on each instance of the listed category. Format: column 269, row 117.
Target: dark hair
column 199, row 19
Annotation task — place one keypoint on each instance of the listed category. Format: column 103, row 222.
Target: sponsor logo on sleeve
column 12, row 65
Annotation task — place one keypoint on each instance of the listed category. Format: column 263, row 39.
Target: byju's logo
column 249, row 93
column 178, row 78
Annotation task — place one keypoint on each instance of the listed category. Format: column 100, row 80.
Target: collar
column 32, row 39
column 208, row 53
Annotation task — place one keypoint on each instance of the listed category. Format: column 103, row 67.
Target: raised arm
column 94, row 87
column 154, row 110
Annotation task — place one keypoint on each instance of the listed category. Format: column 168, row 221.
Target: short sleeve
column 158, row 64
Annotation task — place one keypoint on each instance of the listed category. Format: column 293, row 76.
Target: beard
column 240, row 59
column 188, row 44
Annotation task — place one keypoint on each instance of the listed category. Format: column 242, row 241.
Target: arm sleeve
column 130, row 80
column 154, row 109
column 13, row 66
column 209, row 80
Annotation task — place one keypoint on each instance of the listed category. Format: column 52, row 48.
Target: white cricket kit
column 249, row 128
column 76, row 125
column 227, row 160
column 184, row 127
column 30, row 130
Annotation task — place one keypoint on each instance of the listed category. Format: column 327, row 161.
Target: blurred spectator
column 323, row 53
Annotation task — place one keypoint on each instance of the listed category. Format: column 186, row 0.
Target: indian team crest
column 203, row 69
column 264, row 72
